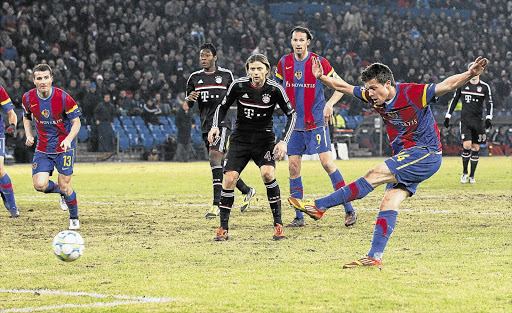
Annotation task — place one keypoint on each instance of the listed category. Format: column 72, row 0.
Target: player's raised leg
column 337, row 183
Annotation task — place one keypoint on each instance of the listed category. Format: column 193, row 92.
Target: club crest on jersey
column 218, row 79
column 479, row 89
column 298, row 74
column 392, row 114
column 265, row 98
column 45, row 113
column 34, row 166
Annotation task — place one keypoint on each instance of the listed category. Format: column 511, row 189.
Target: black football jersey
column 212, row 86
column 472, row 97
column 255, row 106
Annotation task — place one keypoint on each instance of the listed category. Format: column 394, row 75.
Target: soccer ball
column 68, row 245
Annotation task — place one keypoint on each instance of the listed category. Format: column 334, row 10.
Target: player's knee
column 267, row 177
column 41, row 187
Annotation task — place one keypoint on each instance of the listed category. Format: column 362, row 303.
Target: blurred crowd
column 141, row 53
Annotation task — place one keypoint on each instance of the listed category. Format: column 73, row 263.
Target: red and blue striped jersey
column 7, row 105
column 52, row 117
column 305, row 92
column 408, row 118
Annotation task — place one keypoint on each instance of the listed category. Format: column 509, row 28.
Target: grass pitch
column 146, row 236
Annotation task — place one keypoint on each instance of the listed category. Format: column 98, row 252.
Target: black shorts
column 255, row 146
column 220, row 143
column 473, row 130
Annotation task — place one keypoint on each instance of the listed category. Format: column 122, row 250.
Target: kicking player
column 473, row 94
column 6, row 190
column 208, row 87
column 57, row 120
column 414, row 137
column 253, row 137
column 311, row 134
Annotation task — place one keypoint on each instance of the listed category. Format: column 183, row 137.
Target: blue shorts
column 63, row 162
column 2, row 147
column 311, row 141
column 412, row 166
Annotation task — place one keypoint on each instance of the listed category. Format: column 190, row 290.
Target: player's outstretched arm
column 455, row 81
column 335, row 83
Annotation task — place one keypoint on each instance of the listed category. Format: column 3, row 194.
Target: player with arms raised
column 311, row 134
column 253, row 137
column 57, row 120
column 414, row 137
column 208, row 87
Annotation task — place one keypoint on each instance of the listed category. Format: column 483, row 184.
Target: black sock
column 240, row 185
column 274, row 199
column 474, row 163
column 217, row 183
column 466, row 153
column 227, row 197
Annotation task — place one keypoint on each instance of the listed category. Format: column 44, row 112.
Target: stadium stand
column 150, row 47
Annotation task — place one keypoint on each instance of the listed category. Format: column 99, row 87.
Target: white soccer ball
column 68, row 245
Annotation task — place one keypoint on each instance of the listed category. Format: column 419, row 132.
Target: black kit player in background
column 253, row 138
column 472, row 131
column 208, row 87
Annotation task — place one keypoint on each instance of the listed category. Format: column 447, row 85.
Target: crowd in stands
column 141, row 53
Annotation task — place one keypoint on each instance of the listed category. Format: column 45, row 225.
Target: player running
column 311, row 134
column 57, row 120
column 253, row 137
column 473, row 94
column 6, row 190
column 208, row 87
column 414, row 137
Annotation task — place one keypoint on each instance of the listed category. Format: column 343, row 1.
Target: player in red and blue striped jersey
column 413, row 134
column 6, row 190
column 57, row 119
column 311, row 134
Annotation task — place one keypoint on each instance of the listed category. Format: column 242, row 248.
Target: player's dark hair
column 302, row 29
column 258, row 58
column 42, row 68
column 380, row 71
column 210, row 47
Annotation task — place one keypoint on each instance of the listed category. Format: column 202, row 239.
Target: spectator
column 169, row 147
column 89, row 102
column 151, row 113
column 184, row 123
column 104, row 115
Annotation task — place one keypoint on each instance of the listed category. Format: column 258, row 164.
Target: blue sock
column 72, row 205
column 356, row 190
column 6, row 189
column 386, row 221
column 52, row 187
column 337, row 183
column 297, row 191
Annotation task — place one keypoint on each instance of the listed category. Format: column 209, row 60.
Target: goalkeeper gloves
column 447, row 122
column 488, row 124
column 11, row 129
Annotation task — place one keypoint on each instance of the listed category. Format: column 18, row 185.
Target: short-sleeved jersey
column 305, row 92
column 255, row 106
column 408, row 117
column 473, row 97
column 212, row 87
column 7, row 105
column 52, row 117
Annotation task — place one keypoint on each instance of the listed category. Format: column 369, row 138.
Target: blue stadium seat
column 124, row 142
column 350, row 122
column 147, row 141
column 126, row 121
column 164, row 120
column 137, row 120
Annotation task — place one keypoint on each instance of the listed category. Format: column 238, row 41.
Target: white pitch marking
column 128, row 300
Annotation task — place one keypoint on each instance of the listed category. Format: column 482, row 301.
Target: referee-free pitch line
column 121, row 300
